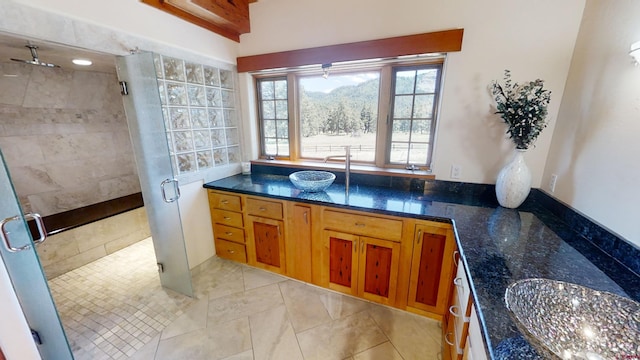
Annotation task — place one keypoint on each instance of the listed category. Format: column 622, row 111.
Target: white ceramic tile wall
column 65, row 137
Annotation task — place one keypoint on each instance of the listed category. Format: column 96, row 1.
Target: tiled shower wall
column 70, row 249
column 65, row 138
column 199, row 108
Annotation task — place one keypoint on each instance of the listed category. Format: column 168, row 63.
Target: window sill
column 355, row 168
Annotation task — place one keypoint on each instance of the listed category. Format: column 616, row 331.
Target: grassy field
column 320, row 146
column 362, row 148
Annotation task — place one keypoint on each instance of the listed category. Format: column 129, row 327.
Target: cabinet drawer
column 476, row 342
column 230, row 250
column 225, row 217
column 228, row 233
column 462, row 289
column 225, row 201
column 381, row 228
column 264, row 208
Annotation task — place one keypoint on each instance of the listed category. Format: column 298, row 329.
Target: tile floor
column 115, row 308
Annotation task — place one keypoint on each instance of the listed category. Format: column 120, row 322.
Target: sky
column 334, row 81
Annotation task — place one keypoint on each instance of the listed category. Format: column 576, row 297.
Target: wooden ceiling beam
column 221, row 17
column 433, row 42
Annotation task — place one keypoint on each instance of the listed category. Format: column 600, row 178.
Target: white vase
column 514, row 182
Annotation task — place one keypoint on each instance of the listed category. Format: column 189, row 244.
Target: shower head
column 35, row 60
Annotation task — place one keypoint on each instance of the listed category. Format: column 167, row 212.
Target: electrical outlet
column 456, row 171
column 552, row 182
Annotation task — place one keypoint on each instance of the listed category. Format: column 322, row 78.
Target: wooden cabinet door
column 298, row 243
column 378, row 269
column 343, row 261
column 266, row 246
column 431, row 268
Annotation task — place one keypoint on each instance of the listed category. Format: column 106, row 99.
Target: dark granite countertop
column 498, row 246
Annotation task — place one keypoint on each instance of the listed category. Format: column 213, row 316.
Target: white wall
column 196, row 223
column 534, row 39
column 595, row 145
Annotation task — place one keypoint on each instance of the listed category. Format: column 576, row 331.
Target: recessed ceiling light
column 82, row 62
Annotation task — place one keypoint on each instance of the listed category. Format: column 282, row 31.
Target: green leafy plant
column 523, row 107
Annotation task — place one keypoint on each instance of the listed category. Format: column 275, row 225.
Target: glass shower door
column 18, row 253
column 160, row 190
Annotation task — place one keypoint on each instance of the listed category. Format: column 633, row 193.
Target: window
column 412, row 114
column 385, row 111
column 274, row 116
column 337, row 111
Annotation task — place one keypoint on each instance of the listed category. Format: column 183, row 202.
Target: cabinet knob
column 419, row 236
column 262, row 209
column 227, row 218
column 225, row 202
column 454, row 310
column 359, row 224
column 229, row 233
column 231, row 251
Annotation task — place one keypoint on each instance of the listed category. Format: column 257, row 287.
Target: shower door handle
column 4, row 234
column 175, row 188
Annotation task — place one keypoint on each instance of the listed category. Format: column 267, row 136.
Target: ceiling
column 13, row 46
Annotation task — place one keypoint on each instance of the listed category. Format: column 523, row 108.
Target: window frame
column 434, row 111
column 385, row 100
column 350, row 70
column 261, row 131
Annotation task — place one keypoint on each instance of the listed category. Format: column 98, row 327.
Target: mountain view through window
column 337, row 111
column 343, row 110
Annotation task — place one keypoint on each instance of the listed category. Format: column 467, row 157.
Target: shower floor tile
column 115, row 308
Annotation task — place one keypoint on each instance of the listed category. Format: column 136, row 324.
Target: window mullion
column 434, row 115
column 383, row 138
column 294, row 117
column 261, row 130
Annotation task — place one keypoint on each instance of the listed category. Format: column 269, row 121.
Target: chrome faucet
column 347, row 165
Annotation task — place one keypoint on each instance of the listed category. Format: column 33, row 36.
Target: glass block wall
column 199, row 108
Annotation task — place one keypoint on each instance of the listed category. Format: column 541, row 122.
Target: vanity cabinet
column 298, row 249
column 461, row 330
column 402, row 262
column 228, row 225
column 265, row 247
column 432, row 266
column 356, row 262
column 362, row 266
